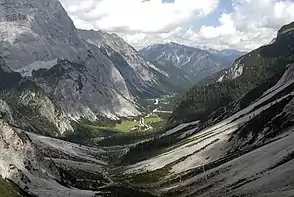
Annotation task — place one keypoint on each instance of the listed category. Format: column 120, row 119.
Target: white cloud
column 250, row 24
column 148, row 16
column 226, row 28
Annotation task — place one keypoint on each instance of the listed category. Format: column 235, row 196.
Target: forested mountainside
column 255, row 71
column 196, row 63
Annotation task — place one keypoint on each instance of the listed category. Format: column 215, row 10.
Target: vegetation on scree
column 245, row 101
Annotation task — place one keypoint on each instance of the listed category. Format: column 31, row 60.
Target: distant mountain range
column 229, row 54
column 196, row 63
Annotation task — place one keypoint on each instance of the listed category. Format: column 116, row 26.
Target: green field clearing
column 128, row 125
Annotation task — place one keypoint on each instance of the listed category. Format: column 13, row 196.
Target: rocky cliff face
column 80, row 92
column 37, row 34
column 26, row 105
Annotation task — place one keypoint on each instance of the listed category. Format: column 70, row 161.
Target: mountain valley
column 85, row 114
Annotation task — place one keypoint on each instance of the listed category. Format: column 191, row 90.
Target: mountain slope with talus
column 237, row 139
column 248, row 153
column 46, row 167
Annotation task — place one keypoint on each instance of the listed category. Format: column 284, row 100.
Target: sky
column 220, row 24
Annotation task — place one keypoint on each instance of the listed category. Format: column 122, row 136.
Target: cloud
column 250, row 24
column 137, row 16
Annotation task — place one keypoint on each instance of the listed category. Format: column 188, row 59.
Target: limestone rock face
column 38, row 35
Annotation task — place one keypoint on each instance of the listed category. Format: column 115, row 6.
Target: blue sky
column 225, row 6
column 219, row 24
